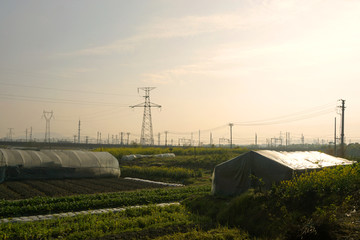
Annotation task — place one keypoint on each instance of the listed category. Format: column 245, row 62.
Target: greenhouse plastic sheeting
column 29, row 164
column 237, row 175
column 137, row 156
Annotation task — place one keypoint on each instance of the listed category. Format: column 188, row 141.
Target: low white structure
column 136, row 156
column 30, row 164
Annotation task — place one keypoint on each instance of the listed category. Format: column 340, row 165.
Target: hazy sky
column 251, row 63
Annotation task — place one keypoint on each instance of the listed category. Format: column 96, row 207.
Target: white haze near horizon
column 268, row 66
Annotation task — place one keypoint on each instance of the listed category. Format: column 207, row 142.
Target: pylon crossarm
column 155, row 105
column 138, row 105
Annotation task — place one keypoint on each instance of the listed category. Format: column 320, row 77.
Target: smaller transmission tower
column 147, row 137
column 11, row 133
column 48, row 116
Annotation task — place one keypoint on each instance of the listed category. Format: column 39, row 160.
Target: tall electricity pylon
column 48, row 116
column 147, row 137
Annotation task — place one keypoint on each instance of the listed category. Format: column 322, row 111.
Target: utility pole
column 231, row 142
column 79, row 132
column 166, row 133
column 342, row 150
column 128, row 138
column 48, row 116
column 256, row 139
column 122, row 138
column 30, row 134
column 335, row 139
column 147, row 137
column 302, row 139
column 199, row 139
column 26, row 133
column 10, row 134
column 211, row 139
column 158, row 139
column 289, row 139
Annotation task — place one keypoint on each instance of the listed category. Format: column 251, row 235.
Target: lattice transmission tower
column 48, row 116
column 147, row 137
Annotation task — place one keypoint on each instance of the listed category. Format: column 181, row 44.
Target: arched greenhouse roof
column 30, row 164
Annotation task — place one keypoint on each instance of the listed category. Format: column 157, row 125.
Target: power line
column 206, row 130
column 62, row 89
column 54, row 100
column 327, row 106
column 286, row 120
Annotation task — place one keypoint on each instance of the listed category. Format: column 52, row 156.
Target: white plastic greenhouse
column 50, row 164
column 235, row 176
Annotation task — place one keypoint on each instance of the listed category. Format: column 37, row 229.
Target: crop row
column 96, row 226
column 156, row 173
column 14, row 190
column 47, row 205
column 170, row 222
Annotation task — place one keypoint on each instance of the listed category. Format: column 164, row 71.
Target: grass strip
column 96, row 226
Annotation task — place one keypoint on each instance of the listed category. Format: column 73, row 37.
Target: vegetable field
column 66, row 187
column 317, row 205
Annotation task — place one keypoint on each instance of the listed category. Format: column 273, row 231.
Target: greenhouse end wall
column 56, row 164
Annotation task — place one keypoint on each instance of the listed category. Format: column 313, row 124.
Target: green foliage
column 119, row 152
column 316, row 188
column 46, row 205
column 205, row 204
column 353, row 151
column 178, row 151
column 159, row 173
column 218, row 233
column 247, row 210
column 257, row 183
column 96, row 226
column 205, row 162
column 305, row 207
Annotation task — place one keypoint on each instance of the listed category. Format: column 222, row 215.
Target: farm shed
column 49, row 164
column 237, row 175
